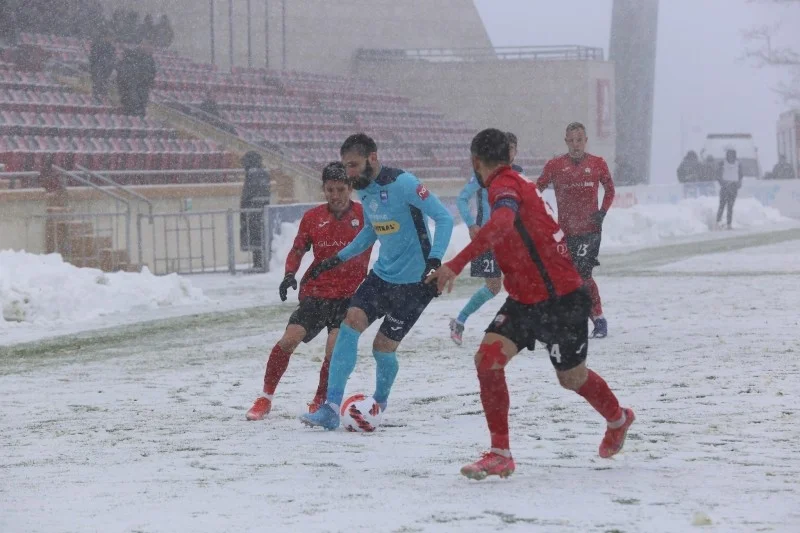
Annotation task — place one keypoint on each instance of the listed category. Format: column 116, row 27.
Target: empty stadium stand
column 304, row 116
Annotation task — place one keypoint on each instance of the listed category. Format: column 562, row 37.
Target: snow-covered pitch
column 140, row 426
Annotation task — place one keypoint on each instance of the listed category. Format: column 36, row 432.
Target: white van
column 718, row 143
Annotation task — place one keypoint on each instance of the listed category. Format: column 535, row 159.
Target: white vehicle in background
column 718, row 143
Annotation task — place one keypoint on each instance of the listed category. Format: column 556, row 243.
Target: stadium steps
column 78, row 242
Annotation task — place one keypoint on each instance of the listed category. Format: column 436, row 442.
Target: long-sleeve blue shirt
column 396, row 210
column 473, row 191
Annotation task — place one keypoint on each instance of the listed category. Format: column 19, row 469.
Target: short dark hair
column 361, row 143
column 491, row 146
column 512, row 139
column 572, row 126
column 334, row 171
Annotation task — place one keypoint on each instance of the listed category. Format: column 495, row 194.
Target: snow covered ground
column 140, row 426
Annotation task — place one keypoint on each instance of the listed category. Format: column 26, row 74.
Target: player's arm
column 419, row 196
column 462, row 202
column 608, row 187
column 547, row 176
column 499, row 226
column 301, row 245
column 363, row 241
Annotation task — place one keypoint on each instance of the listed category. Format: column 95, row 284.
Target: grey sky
column 702, row 85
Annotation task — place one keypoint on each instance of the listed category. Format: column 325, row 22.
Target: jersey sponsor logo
column 354, row 222
column 386, row 228
column 334, row 243
column 422, row 192
column 499, row 319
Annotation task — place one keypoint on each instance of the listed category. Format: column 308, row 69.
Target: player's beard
column 364, row 179
column 480, row 179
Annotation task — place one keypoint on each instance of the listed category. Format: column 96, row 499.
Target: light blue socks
column 386, row 367
column 480, row 297
column 343, row 361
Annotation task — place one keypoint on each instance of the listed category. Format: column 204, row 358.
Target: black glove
column 598, row 217
column 430, row 266
column 325, row 265
column 288, row 281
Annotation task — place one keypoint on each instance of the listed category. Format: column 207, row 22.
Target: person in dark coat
column 102, row 61
column 136, row 74
column 709, row 169
column 255, row 195
column 690, row 169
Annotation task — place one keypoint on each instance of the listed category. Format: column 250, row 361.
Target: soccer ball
column 360, row 413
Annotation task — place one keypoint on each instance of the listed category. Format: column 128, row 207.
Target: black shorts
column 316, row 313
column 485, row 266
column 402, row 304
column 562, row 324
column 584, row 250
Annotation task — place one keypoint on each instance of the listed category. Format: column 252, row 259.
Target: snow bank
column 651, row 224
column 641, row 225
column 43, row 289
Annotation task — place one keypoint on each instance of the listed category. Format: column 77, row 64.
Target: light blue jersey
column 396, row 210
column 473, row 190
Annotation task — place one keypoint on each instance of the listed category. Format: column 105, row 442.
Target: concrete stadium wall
column 534, row 99
column 321, row 35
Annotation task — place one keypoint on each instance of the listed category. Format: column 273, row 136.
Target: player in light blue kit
column 484, row 266
column 396, row 211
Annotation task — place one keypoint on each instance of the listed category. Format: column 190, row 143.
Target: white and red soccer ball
column 360, row 413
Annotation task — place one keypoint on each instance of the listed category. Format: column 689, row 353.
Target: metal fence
column 229, row 240
column 534, row 53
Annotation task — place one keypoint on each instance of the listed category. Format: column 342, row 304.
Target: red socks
column 599, row 395
column 594, row 294
column 494, row 393
column 276, row 366
column 322, row 388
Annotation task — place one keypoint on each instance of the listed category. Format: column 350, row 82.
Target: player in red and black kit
column 576, row 177
column 323, row 301
column 546, row 302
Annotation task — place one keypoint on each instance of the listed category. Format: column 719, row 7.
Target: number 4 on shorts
column 555, row 352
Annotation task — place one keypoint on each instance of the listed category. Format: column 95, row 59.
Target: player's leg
column 365, row 308
column 324, row 371
column 337, row 313
column 485, row 267
column 491, row 359
column 404, row 305
column 584, row 250
column 722, row 201
column 509, row 332
column 731, row 201
column 568, row 355
column 277, row 363
column 596, row 315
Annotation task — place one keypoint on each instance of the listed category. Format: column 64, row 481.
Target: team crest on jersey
column 354, row 222
column 499, row 319
column 587, row 170
column 386, row 228
column 384, row 197
column 422, row 192
column 374, row 206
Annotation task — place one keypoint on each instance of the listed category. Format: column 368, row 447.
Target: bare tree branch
column 763, row 52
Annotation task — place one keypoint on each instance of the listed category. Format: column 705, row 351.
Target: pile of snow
column 641, row 225
column 43, row 290
column 653, row 223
